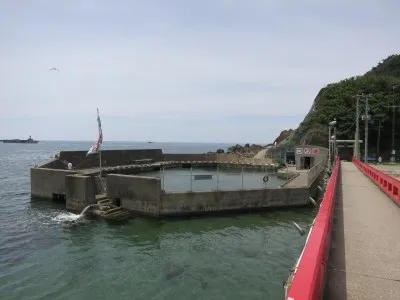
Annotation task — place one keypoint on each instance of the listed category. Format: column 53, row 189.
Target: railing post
column 191, row 178
column 217, row 178
column 162, row 180
column 242, row 177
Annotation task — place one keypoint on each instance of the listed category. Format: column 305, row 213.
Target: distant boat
column 150, row 142
column 18, row 141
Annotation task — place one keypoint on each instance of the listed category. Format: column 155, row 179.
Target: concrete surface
column 364, row 261
column 143, row 195
column 315, row 159
column 110, row 158
column 190, row 157
column 299, row 181
column 137, row 193
column 261, row 154
column 392, row 170
column 201, row 202
column 47, row 182
column 80, row 192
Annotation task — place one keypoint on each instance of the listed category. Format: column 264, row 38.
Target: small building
column 308, row 156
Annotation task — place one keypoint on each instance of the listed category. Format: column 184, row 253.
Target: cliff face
column 337, row 100
column 283, row 135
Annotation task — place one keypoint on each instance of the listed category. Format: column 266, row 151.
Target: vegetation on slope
column 337, row 100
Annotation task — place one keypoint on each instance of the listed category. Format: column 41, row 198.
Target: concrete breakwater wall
column 48, row 183
column 45, row 183
column 111, row 158
column 135, row 193
column 108, row 158
column 140, row 194
column 80, row 192
column 190, row 157
column 143, row 195
column 216, row 157
column 205, row 202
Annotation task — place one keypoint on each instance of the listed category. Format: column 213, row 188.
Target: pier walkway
column 364, row 259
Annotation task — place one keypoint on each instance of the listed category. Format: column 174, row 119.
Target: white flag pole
column 100, row 142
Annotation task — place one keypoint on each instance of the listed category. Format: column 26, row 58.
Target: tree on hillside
column 337, row 100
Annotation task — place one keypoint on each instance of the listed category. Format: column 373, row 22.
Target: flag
column 96, row 147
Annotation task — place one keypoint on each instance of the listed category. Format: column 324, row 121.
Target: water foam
column 66, row 217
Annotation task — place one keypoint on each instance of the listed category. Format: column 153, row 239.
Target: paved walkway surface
column 261, row 154
column 364, row 260
column 299, row 181
column 392, row 170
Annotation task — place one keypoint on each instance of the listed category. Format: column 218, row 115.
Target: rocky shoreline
column 247, row 150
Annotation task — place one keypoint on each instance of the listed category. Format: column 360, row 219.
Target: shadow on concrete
column 335, row 283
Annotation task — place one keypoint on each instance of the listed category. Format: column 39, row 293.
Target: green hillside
column 337, row 100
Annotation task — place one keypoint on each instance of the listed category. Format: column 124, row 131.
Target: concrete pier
column 364, row 261
column 124, row 182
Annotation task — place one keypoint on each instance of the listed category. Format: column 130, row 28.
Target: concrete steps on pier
column 107, row 210
column 101, row 197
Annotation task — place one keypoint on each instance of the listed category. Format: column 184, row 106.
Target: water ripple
column 47, row 253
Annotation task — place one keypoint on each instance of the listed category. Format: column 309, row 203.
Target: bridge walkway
column 364, row 259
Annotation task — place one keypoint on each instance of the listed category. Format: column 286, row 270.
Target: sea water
column 48, row 253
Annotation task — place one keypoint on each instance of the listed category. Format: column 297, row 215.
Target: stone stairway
column 107, row 210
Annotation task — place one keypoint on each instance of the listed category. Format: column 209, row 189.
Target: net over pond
column 206, row 179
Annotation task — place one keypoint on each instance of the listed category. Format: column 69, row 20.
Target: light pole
column 329, row 142
column 366, row 131
column 332, row 124
column 379, row 138
column 357, row 137
column 379, row 117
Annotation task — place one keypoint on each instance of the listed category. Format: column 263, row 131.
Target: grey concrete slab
column 364, row 260
column 299, row 181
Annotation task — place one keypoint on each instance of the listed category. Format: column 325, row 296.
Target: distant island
column 19, row 141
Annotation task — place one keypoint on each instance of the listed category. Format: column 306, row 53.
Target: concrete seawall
column 190, row 157
column 144, row 195
column 46, row 183
column 111, row 158
column 108, row 158
column 190, row 203
column 135, row 193
column 80, row 192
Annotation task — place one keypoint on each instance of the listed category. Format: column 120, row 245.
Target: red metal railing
column 390, row 185
column 308, row 280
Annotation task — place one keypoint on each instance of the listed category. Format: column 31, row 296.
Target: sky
column 180, row 70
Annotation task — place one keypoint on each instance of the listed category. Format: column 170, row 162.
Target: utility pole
column 334, row 143
column 329, row 143
column 366, row 131
column 332, row 147
column 379, row 138
column 357, row 138
column 393, row 154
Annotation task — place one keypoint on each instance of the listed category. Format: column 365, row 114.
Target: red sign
column 315, row 151
column 307, row 150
